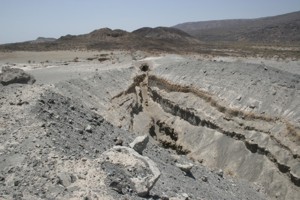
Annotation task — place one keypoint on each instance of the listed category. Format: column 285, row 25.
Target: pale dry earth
column 238, row 115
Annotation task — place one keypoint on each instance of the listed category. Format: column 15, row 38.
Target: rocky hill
column 43, row 39
column 161, row 38
column 163, row 33
column 281, row 29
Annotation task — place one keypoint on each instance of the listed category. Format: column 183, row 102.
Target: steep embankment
column 241, row 118
column 237, row 123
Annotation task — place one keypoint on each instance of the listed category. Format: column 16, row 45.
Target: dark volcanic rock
column 13, row 75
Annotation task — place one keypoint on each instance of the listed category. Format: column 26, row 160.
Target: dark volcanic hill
column 282, row 29
column 161, row 38
column 164, row 33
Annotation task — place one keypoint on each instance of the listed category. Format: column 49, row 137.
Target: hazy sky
column 22, row 20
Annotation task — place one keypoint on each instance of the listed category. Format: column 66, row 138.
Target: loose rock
column 185, row 167
column 119, row 159
column 14, row 75
column 88, row 129
column 140, row 143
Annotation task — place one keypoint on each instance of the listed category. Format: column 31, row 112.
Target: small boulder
column 140, row 143
column 118, row 141
column 66, row 179
column 88, row 128
column 116, row 186
column 220, row 173
column 183, row 196
column 185, row 167
column 15, row 75
column 129, row 171
column 204, row 178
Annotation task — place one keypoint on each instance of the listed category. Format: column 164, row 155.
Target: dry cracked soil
column 218, row 128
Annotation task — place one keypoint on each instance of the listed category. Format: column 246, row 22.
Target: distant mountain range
column 160, row 38
column 282, row 29
column 205, row 37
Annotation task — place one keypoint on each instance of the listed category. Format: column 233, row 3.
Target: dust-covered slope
column 51, row 148
column 238, row 117
column 224, row 115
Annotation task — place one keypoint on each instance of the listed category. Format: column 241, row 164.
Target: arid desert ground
column 205, row 127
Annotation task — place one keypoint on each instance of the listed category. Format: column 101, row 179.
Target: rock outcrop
column 140, row 143
column 128, row 171
column 185, row 167
column 14, row 75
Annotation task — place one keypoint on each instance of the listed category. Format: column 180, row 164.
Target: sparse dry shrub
column 144, row 67
column 104, row 54
column 230, row 173
column 267, row 118
column 253, row 116
column 90, row 59
column 222, row 109
column 249, row 115
column 213, row 103
column 292, row 131
column 207, row 98
column 233, row 112
column 102, row 59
